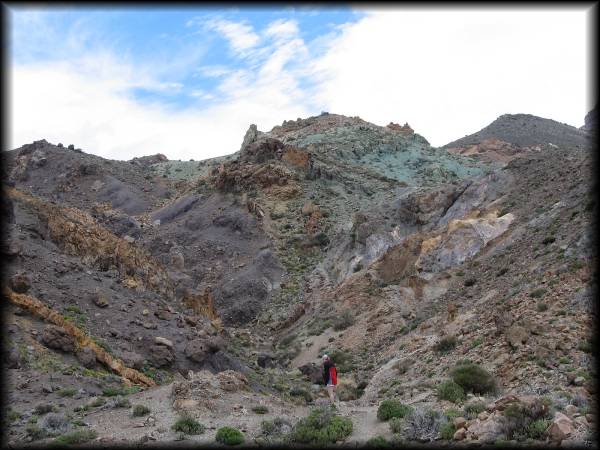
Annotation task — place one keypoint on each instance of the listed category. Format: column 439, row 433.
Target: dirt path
column 118, row 426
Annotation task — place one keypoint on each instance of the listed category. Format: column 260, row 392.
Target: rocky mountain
column 213, row 287
column 511, row 134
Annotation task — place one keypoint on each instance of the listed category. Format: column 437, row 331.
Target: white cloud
column 447, row 73
column 241, row 36
column 450, row 73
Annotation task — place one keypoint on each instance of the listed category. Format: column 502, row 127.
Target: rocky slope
column 325, row 234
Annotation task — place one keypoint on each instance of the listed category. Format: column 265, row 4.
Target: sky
column 128, row 82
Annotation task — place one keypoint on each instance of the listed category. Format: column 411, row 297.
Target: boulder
column 163, row 341
column 459, row 422
column 99, row 299
column 20, row 283
column 58, row 339
column 161, row 355
column 312, row 372
column 460, row 434
column 487, row 430
column 516, row 335
column 561, row 427
column 197, row 350
column 133, row 360
column 86, row 357
column 232, row 381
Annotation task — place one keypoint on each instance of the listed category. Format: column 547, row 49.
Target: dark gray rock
column 86, row 357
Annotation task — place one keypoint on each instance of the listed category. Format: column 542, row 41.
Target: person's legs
column 331, row 392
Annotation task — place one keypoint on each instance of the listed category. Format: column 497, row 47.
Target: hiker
column 329, row 377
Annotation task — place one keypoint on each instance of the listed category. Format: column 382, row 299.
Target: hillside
column 212, row 287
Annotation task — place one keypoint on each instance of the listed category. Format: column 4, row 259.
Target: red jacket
column 333, row 375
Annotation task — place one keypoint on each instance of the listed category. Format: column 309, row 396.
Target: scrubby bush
column 392, row 408
column 378, row 442
column 473, row 409
column 140, row 410
column 66, row 392
column 120, row 402
column 55, row 424
column 537, row 293
column 76, row 437
column 342, row 359
column 447, row 431
column 42, row 408
column 473, row 378
column 470, row 282
column 396, row 425
column 299, row 392
column 321, row 427
column 343, row 321
column 446, row 344
column 451, row 391
column 521, row 422
column 35, row 432
column 188, row 425
column 275, row 430
column 423, row 425
column 229, row 436
column 260, row 409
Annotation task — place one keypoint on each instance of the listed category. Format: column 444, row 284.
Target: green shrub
column 541, row 307
column 99, row 401
column 121, row 402
column 446, row 344
column 140, row 410
column 378, row 442
column 67, row 392
column 471, row 410
column 35, row 432
column 229, row 436
column 321, row 427
column 343, row 321
column 13, row 415
column 343, row 360
column 76, row 437
column 299, row 392
column 477, row 342
column 473, row 378
column 537, row 293
column 452, row 413
column 121, row 390
column 537, row 428
column 188, row 425
column 395, row 425
column 447, row 431
column 42, row 408
column 260, row 409
column 392, row 408
column 451, row 391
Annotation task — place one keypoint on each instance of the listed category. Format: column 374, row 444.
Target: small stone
column 482, row 415
column 571, row 410
column 145, row 312
column 163, row 341
column 579, row 381
column 20, row 283
column 150, row 326
column 460, row 434
column 561, row 428
column 46, row 388
column 460, row 422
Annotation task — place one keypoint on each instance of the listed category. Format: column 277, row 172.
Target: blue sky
column 187, row 82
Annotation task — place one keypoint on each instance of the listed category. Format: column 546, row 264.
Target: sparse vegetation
column 260, row 409
column 537, row 293
column 392, row 408
column 229, row 436
column 423, row 425
column 521, row 422
column 76, row 437
column 321, row 427
column 471, row 410
column 343, row 321
column 396, row 425
column 451, row 391
column 473, row 378
column 140, row 410
column 446, row 344
column 188, row 425
column 43, row 408
column 378, row 442
column 67, row 392
column 447, row 431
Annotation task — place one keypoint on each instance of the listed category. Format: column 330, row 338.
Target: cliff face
column 326, row 234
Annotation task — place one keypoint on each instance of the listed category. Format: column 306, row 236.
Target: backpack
column 333, row 375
